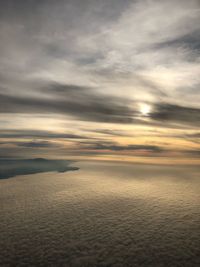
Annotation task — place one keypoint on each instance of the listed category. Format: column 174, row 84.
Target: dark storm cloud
column 174, row 113
column 83, row 103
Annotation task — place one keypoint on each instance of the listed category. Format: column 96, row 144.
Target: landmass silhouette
column 14, row 167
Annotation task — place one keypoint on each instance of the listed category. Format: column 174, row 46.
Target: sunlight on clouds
column 145, row 109
column 118, row 78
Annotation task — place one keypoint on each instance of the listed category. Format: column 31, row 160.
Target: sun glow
column 145, row 109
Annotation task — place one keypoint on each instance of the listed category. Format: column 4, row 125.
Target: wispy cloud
column 175, row 113
column 80, row 102
column 75, row 65
column 115, row 147
column 38, row 134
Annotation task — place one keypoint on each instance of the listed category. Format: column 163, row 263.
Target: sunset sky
column 109, row 79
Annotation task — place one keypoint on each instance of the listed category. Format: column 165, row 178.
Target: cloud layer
column 81, row 68
column 105, row 214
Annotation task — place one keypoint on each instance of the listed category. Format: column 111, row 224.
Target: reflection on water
column 106, row 214
column 13, row 167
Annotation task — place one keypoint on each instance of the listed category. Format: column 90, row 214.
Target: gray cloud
column 31, row 144
column 114, row 147
column 175, row 113
column 194, row 135
column 38, row 134
column 80, row 102
column 193, row 152
column 189, row 41
column 37, row 144
column 95, row 61
column 109, row 132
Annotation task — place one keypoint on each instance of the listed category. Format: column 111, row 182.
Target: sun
column 145, row 109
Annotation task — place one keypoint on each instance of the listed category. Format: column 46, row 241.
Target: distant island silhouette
column 14, row 167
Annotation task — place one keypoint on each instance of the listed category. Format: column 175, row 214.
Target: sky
column 106, row 80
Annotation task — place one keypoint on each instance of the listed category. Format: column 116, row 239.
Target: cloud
column 37, row 144
column 109, row 132
column 95, row 62
column 105, row 214
column 38, row 134
column 77, row 101
column 194, row 135
column 175, row 113
column 190, row 41
column 193, row 152
column 31, row 144
column 115, row 147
